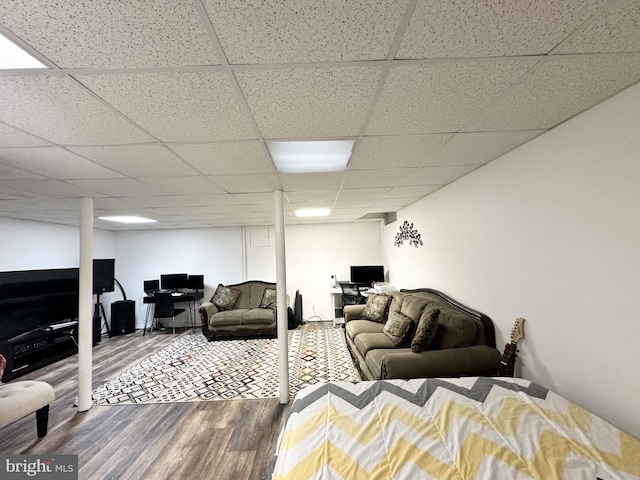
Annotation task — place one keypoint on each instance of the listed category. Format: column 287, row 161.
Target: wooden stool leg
column 42, row 420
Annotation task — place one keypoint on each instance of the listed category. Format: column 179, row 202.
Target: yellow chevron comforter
column 467, row 428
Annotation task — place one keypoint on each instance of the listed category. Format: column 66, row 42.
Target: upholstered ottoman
column 19, row 399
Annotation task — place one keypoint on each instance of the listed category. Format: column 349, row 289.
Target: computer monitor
column 174, row 281
column 196, row 282
column 151, row 286
column 367, row 275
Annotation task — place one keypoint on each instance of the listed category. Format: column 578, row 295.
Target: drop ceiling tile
column 480, row 147
column 471, row 28
column 177, row 106
column 312, row 196
column 355, row 203
column 138, row 160
column 363, row 193
column 557, row 90
column 12, row 137
column 57, row 109
column 196, row 185
column 108, row 34
column 229, row 158
column 110, row 204
column 11, row 173
column 116, row 187
column 233, row 211
column 49, row 188
column 261, row 183
column 416, row 192
column 254, row 198
column 615, row 30
column 54, row 162
column 375, row 178
column 39, row 205
column 437, row 175
column 402, row 151
column 392, row 203
column 309, row 103
column 440, row 97
column 293, row 182
column 295, row 32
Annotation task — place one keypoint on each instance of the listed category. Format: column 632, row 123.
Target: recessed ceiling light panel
column 313, row 212
column 128, row 219
column 13, row 57
column 311, row 156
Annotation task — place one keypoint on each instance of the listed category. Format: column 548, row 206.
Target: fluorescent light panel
column 13, row 57
column 128, row 219
column 311, row 156
column 313, row 212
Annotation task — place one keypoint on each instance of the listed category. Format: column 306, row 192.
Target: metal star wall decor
column 407, row 232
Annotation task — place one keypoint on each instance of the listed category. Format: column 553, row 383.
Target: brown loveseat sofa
column 463, row 344
column 243, row 309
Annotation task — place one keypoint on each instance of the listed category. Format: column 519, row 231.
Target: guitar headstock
column 517, row 332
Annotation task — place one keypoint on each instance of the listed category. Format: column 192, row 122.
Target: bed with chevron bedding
column 461, row 428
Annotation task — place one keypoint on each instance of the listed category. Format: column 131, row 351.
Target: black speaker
column 123, row 317
column 103, row 275
column 97, row 330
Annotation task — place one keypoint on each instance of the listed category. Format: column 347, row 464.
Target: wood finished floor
column 233, row 439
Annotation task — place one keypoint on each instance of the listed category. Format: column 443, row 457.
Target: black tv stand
column 37, row 348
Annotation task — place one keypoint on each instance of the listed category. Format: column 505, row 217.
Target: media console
column 35, row 349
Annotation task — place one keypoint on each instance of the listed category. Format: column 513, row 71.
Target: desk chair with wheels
column 164, row 308
column 351, row 294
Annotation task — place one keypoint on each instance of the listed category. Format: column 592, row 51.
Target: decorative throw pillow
column 269, row 298
column 413, row 306
column 398, row 327
column 376, row 308
column 426, row 330
column 225, row 297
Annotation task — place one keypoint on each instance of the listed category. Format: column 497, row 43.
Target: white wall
column 549, row 232
column 313, row 254
column 26, row 245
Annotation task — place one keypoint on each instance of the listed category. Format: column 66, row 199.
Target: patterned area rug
column 193, row 369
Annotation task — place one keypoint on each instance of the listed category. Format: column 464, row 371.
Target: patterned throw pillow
column 269, row 298
column 376, row 308
column 225, row 298
column 398, row 327
column 426, row 330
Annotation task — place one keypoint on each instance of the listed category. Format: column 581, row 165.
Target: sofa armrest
column 352, row 312
column 206, row 310
column 477, row 360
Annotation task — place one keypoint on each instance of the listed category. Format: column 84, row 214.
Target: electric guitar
column 508, row 361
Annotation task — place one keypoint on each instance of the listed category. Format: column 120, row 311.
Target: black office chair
column 164, row 308
column 351, row 295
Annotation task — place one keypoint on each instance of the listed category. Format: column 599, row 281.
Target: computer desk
column 192, row 299
column 336, row 304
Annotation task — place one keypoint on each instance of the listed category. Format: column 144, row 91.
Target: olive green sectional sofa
column 461, row 341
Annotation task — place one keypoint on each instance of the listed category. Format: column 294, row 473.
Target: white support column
column 281, row 287
column 85, row 306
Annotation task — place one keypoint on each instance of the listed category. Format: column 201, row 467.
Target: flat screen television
column 367, row 274
column 174, row 281
column 30, row 299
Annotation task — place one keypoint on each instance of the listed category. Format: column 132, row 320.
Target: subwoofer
column 123, row 317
